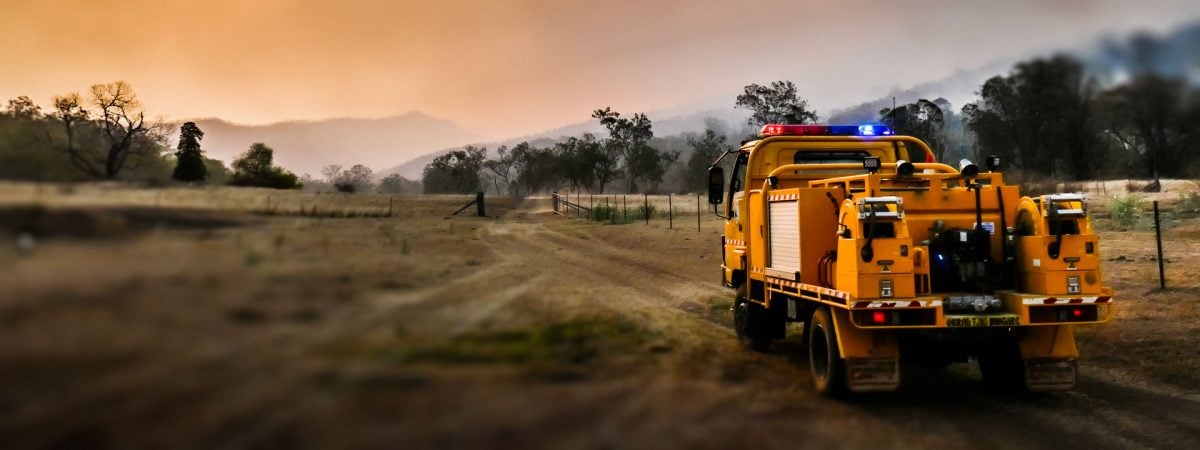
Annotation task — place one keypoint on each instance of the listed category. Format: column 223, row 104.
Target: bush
column 1126, row 211
column 1189, row 203
column 1032, row 184
column 255, row 168
column 605, row 213
column 644, row 211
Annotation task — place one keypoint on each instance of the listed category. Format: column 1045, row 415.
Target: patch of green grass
column 574, row 342
column 719, row 304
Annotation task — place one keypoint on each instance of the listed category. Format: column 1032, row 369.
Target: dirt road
column 525, row 331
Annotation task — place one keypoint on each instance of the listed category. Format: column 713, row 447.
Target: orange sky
column 503, row 68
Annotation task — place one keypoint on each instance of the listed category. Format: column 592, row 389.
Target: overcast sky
column 509, row 67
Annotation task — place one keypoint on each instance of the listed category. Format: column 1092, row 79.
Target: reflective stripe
column 1064, row 301
column 898, row 304
column 808, row 287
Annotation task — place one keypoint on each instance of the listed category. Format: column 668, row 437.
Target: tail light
column 878, row 317
column 1064, row 313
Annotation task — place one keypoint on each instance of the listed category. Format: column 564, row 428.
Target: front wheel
column 750, row 322
column 824, row 359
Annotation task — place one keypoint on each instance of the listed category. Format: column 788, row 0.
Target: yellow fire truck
column 888, row 256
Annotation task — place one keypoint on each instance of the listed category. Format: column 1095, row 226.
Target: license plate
column 990, row 320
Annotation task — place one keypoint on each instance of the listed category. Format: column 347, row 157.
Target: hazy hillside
column 306, row 146
column 1108, row 58
column 666, row 123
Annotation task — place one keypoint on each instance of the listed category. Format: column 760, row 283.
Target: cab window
column 736, row 184
column 830, row 157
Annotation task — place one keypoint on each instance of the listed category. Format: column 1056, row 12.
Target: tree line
column 1046, row 117
column 627, row 157
column 105, row 136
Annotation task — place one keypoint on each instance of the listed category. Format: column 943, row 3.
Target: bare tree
column 331, row 172
column 121, row 121
column 69, row 109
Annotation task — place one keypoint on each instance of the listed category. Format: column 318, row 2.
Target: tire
column 750, row 322
column 824, row 360
column 1002, row 367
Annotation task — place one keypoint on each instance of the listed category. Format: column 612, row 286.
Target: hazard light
column 775, row 129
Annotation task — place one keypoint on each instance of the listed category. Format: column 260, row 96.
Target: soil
column 211, row 329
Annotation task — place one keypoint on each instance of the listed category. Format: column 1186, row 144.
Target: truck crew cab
column 889, row 256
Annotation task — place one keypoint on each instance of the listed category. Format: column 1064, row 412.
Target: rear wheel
column 750, row 322
column 824, row 359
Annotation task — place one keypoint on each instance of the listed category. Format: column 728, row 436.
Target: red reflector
column 1076, row 312
column 879, row 317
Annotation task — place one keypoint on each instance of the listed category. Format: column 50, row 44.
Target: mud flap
column 1050, row 355
column 872, row 358
column 872, row 374
column 1044, row 375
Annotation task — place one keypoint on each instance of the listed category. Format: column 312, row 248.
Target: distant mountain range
column 307, row 146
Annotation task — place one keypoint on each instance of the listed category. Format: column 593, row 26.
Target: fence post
column 670, row 213
column 1162, row 279
column 554, row 201
column 391, row 200
column 479, row 204
column 646, row 198
column 624, row 209
column 697, row 212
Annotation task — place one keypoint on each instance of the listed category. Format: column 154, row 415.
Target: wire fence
column 679, row 211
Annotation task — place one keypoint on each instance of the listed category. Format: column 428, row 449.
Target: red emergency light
column 775, row 129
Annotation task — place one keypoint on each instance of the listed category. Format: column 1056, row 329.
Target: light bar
column 775, row 129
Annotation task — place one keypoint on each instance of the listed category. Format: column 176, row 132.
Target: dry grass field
column 240, row 318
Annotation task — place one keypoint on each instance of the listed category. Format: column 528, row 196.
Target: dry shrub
column 1034, row 184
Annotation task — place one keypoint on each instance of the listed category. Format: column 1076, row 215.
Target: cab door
column 734, row 240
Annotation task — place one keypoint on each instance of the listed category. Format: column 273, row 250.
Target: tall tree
column 257, row 167
column 1149, row 118
column 24, row 108
column 630, row 137
column 776, row 103
column 189, row 158
column 70, row 110
column 538, row 168
column 501, row 170
column 121, row 121
column 705, row 149
column 454, row 172
column 923, row 120
column 1040, row 115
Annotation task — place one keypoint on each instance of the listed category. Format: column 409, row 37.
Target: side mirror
column 716, row 185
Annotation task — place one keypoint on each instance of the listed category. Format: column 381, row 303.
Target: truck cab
column 888, row 256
